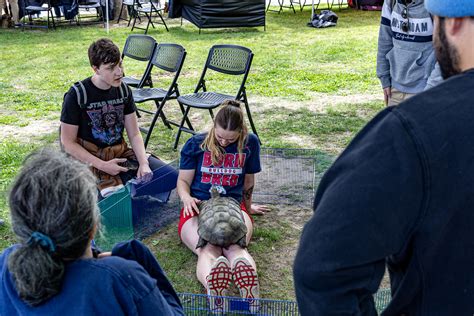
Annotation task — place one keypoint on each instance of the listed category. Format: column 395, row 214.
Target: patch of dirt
column 33, row 129
column 319, row 102
column 275, row 264
column 301, row 141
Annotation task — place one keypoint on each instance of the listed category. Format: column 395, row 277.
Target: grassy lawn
column 308, row 88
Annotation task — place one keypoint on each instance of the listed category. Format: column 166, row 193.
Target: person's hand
column 190, row 206
column 387, row 94
column 144, row 173
column 112, row 166
column 259, row 209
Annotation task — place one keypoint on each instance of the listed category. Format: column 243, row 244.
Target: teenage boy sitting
column 94, row 114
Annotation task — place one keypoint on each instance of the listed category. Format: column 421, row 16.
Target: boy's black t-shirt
column 101, row 119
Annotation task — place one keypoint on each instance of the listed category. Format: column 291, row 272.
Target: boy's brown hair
column 103, row 51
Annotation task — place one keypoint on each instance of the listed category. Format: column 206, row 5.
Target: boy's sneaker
column 218, row 282
column 246, row 280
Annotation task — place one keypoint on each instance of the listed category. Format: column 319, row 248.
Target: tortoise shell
column 221, row 222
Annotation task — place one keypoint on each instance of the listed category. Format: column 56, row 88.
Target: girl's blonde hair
column 231, row 118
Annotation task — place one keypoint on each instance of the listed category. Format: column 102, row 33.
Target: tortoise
column 221, row 222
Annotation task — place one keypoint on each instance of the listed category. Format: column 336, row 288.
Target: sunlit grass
column 292, row 63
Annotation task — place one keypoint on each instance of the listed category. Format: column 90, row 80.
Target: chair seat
column 133, row 82
column 90, row 5
column 148, row 9
column 204, row 100
column 36, row 8
column 142, row 95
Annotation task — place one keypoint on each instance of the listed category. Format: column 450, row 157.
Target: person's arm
column 249, row 184
column 385, row 44
column 435, row 77
column 190, row 204
column 366, row 208
column 136, row 141
column 252, row 166
column 72, row 147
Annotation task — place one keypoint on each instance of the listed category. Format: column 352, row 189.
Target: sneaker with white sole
column 218, row 282
column 246, row 280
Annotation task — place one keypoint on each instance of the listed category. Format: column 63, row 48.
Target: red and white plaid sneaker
column 246, row 280
column 218, row 282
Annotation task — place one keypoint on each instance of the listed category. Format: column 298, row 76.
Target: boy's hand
column 113, row 167
column 144, row 173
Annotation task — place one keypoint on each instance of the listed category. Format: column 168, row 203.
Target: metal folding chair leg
column 164, row 23
column 281, row 4
column 160, row 105
column 249, row 115
column 181, row 127
column 158, row 113
column 188, row 122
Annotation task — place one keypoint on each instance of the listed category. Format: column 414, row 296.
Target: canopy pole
column 107, row 15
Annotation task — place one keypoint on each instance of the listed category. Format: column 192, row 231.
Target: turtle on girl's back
column 221, row 222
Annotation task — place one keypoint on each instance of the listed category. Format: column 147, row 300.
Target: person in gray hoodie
column 406, row 63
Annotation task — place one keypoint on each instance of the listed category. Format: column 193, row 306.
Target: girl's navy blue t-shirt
column 228, row 175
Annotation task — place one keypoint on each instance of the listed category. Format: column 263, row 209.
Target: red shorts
column 183, row 219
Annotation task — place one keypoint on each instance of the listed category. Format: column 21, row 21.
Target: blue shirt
column 228, row 174
column 107, row 286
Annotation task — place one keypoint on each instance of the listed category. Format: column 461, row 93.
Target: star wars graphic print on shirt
column 107, row 122
column 100, row 115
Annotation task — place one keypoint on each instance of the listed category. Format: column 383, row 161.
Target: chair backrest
column 229, row 59
column 154, row 4
column 168, row 57
column 139, row 47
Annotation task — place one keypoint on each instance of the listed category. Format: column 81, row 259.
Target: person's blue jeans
column 137, row 251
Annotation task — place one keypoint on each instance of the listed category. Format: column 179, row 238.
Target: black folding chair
column 226, row 59
column 128, row 5
column 151, row 10
column 309, row 4
column 281, row 5
column 170, row 58
column 87, row 6
column 140, row 48
column 36, row 8
column 339, row 3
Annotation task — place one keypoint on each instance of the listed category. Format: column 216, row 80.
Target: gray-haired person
column 52, row 271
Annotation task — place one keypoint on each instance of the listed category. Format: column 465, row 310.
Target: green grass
column 296, row 71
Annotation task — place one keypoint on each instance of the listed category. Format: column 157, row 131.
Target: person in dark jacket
column 401, row 196
column 52, row 270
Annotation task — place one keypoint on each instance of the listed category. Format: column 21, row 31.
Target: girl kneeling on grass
column 226, row 157
column 52, row 271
